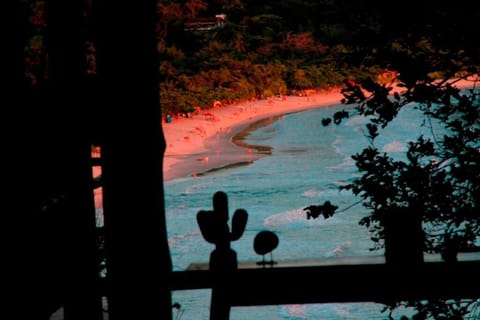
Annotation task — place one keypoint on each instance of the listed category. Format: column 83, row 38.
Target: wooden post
column 136, row 245
column 404, row 238
column 69, row 150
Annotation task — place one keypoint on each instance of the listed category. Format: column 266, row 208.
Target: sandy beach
column 205, row 140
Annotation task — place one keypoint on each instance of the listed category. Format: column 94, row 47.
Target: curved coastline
column 234, row 152
column 242, row 135
column 225, row 150
column 190, row 140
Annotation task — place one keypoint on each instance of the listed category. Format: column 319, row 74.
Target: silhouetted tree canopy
column 439, row 178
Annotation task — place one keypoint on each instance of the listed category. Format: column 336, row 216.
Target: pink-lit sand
column 203, row 141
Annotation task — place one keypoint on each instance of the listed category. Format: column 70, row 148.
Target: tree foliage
column 262, row 49
column 439, row 177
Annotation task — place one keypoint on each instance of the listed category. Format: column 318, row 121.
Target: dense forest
column 267, row 48
column 260, row 49
column 256, row 49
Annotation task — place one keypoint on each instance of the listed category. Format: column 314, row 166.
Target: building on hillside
column 206, row 24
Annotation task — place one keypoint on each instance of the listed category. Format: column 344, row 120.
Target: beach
column 205, row 141
column 209, row 139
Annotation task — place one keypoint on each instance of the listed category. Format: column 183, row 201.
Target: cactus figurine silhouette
column 214, row 228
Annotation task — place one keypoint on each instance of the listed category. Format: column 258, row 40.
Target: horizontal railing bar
column 340, row 283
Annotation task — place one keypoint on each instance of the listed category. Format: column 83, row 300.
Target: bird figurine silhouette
column 265, row 242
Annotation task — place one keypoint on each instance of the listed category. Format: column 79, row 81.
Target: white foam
column 347, row 163
column 357, row 121
column 296, row 310
column 295, row 216
column 180, row 237
column 339, row 251
column 312, row 193
column 394, row 146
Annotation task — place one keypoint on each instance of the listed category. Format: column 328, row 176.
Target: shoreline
column 217, row 141
column 212, row 139
column 198, row 145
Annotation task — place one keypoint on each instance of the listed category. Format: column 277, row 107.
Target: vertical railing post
column 404, row 238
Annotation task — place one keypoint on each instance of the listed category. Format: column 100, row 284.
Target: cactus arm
column 239, row 222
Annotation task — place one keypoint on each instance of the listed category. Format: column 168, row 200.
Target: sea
column 307, row 165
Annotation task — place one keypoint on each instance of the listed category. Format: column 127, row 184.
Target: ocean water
column 307, row 165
